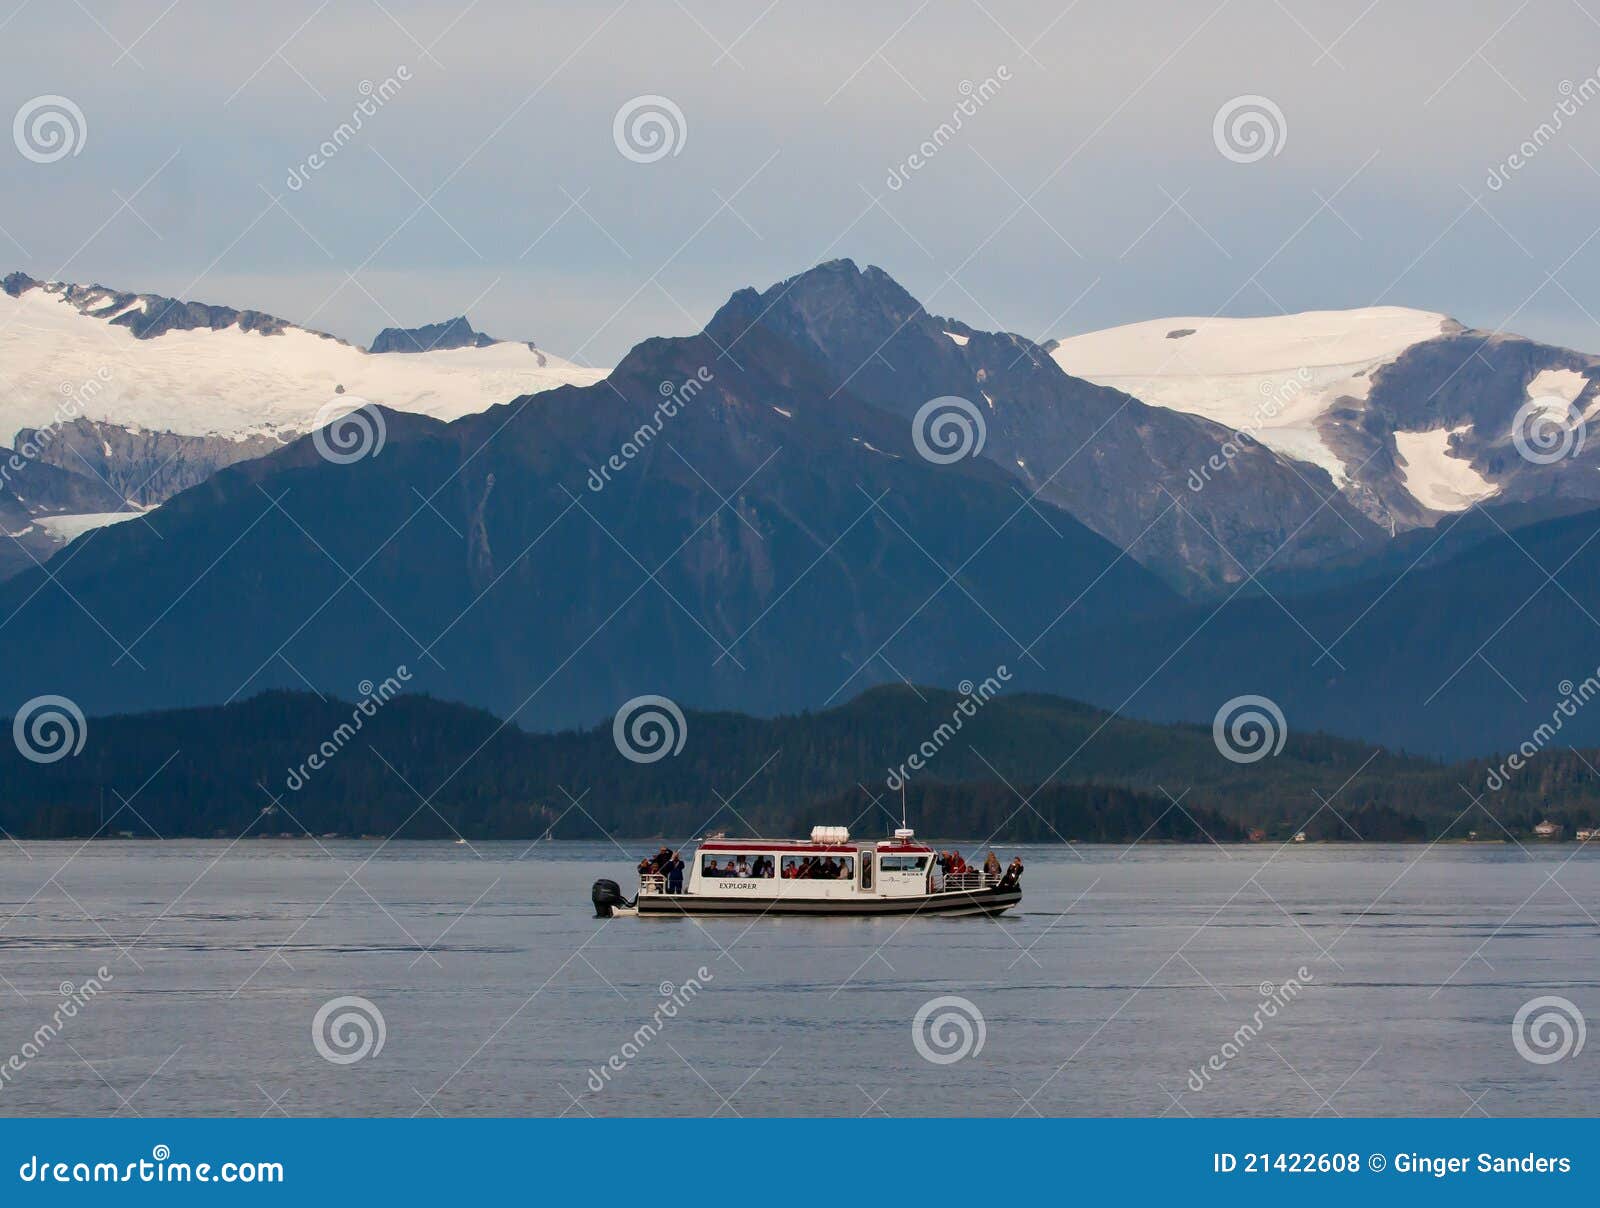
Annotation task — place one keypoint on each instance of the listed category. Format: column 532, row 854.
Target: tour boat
column 829, row 874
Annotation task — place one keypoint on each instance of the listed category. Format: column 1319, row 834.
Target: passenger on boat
column 1013, row 875
column 743, row 870
column 675, row 874
column 991, row 865
column 957, row 865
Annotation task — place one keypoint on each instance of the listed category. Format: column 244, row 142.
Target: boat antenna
column 902, row 805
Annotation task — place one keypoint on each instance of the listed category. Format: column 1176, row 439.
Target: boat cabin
column 827, row 866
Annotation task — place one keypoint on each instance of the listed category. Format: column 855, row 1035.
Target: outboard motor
column 607, row 896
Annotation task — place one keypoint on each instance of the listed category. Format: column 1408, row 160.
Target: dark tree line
column 287, row 763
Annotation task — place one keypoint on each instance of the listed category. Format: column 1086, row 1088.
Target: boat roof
column 806, row 846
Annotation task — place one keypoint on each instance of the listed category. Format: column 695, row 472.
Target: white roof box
column 904, row 832
column 830, row 834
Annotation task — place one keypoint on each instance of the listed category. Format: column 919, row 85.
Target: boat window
column 736, row 865
column 819, row 868
column 866, row 870
column 902, row 863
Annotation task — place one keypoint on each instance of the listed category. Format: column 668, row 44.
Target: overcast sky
column 1086, row 190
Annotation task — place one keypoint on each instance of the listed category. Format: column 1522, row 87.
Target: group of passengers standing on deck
column 666, row 864
column 951, row 864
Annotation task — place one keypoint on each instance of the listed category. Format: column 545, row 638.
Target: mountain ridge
column 753, row 518
column 753, row 555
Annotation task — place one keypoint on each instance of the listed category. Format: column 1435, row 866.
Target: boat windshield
column 902, row 863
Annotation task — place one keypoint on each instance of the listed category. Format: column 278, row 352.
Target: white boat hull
column 955, row 902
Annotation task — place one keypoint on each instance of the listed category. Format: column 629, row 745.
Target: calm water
column 499, row 992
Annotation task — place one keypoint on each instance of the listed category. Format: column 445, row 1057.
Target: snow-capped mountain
column 149, row 395
column 200, row 371
column 1412, row 415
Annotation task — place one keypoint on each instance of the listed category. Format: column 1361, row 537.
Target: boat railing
column 652, row 882
column 970, row 880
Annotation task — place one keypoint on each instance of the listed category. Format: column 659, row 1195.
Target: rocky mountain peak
column 432, row 337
